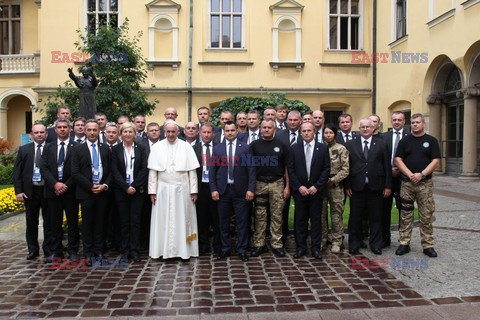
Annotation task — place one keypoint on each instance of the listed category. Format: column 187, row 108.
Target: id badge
column 60, row 172
column 95, row 176
column 37, row 177
column 129, row 179
column 205, row 176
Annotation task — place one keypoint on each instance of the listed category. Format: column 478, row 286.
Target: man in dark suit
column 318, row 119
column 63, row 112
column 232, row 183
column 78, row 131
column 219, row 137
column 102, row 121
column 289, row 137
column 253, row 123
column 203, row 114
column 281, row 119
column 392, row 138
column 308, row 170
column 171, row 114
column 91, row 170
column 191, row 133
column 140, row 123
column 207, row 212
column 369, row 181
column 345, row 134
column 60, row 191
column 29, row 188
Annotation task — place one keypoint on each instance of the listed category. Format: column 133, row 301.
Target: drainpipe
column 190, row 57
column 374, row 50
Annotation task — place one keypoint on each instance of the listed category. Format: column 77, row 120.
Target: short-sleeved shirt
column 270, row 157
column 418, row 152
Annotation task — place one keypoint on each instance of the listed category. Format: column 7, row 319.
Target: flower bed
column 8, row 201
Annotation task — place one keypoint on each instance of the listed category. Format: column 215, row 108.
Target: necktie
column 38, row 155
column 294, row 137
column 79, row 140
column 347, row 137
column 365, row 150
column 319, row 136
column 230, row 161
column 254, row 137
column 102, row 136
column 207, row 155
column 94, row 157
column 397, row 140
column 208, row 150
column 308, row 158
column 110, row 146
column 61, row 154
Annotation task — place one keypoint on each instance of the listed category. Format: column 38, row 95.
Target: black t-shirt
column 418, row 152
column 269, row 157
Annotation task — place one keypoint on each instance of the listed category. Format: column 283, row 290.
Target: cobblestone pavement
column 265, row 287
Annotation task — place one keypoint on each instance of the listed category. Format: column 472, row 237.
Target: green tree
column 120, row 69
column 245, row 104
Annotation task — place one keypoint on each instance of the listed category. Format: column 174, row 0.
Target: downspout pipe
column 190, row 63
column 374, row 67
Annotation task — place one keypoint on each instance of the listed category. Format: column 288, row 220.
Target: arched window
column 163, row 39
column 287, row 40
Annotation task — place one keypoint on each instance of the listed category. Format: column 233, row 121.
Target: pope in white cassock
column 172, row 186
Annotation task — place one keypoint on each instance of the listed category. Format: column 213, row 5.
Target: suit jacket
column 388, row 137
column 244, row 175
column 49, row 168
column 198, row 152
column 284, row 136
column 340, row 139
column 244, row 136
column 377, row 165
column 319, row 171
column 52, row 135
column 82, row 169
column 119, row 172
column 23, row 169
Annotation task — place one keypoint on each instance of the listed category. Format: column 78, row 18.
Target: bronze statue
column 87, row 84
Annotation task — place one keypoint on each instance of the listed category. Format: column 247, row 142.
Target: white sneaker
column 335, row 248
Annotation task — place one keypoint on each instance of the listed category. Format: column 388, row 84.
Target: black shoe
column 50, row 259
column 257, row 251
column 279, row 252
column 316, row 254
column 299, row 253
column 353, row 250
column 88, row 261
column 223, row 255
column 243, row 257
column 203, row 251
column 32, row 255
column 135, row 257
column 377, row 251
column 363, row 245
column 430, row 252
column 124, row 256
column 402, row 249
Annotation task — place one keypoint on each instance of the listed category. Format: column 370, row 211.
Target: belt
column 268, row 179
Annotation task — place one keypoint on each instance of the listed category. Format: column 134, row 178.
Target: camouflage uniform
column 423, row 193
column 269, row 193
column 339, row 170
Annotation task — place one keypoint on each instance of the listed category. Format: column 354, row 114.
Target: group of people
column 174, row 189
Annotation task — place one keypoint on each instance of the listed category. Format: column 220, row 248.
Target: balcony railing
column 19, row 63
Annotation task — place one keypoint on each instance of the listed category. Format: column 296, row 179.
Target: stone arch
column 472, row 63
column 287, row 24
column 12, row 124
column 163, row 23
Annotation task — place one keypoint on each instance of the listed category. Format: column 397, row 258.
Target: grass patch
column 4, row 186
column 346, row 214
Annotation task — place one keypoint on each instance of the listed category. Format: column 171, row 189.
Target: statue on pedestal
column 87, row 84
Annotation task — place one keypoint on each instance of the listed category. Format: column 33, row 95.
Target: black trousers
column 145, row 223
column 56, row 207
column 130, row 212
column 231, row 202
column 285, row 214
column 207, row 216
column 93, row 218
column 387, row 210
column 32, row 213
column 360, row 201
column 308, row 208
column 112, row 230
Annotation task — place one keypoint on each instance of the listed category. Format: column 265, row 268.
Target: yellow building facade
column 200, row 52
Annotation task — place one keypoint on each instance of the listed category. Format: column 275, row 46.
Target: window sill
column 226, row 50
column 432, row 23
column 225, row 63
column 467, row 4
column 343, row 51
column 398, row 41
column 297, row 65
column 151, row 64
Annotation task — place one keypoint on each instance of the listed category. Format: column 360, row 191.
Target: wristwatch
column 423, row 176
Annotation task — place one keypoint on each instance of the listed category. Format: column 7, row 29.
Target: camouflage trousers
column 334, row 197
column 423, row 194
column 269, row 195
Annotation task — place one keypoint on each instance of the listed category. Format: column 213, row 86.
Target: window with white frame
column 10, row 32
column 401, row 18
column 101, row 13
column 226, row 23
column 344, row 19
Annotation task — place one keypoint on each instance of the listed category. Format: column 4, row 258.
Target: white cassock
column 173, row 177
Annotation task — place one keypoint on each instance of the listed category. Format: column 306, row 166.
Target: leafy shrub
column 6, row 174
